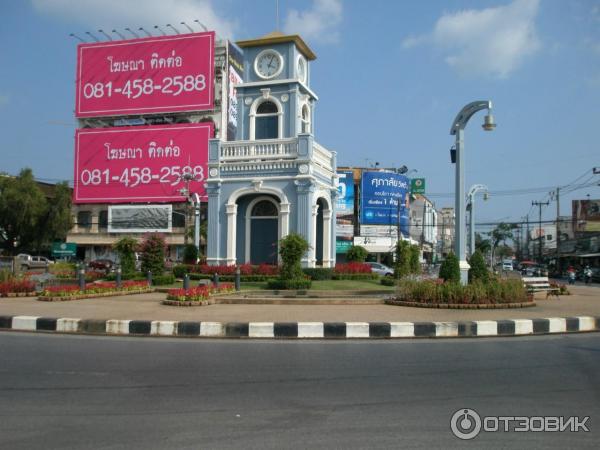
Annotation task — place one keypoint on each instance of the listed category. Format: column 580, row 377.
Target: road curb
column 304, row 330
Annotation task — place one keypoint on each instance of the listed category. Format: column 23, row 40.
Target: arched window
column 305, row 118
column 266, row 121
column 264, row 208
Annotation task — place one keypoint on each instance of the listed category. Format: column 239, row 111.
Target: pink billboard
column 140, row 164
column 148, row 75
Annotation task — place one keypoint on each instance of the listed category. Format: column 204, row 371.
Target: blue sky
column 391, row 76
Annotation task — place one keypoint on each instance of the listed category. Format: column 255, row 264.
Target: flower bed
column 97, row 289
column 196, row 296
column 437, row 294
column 17, row 288
column 245, row 270
column 353, row 271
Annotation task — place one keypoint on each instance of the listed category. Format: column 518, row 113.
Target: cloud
column 110, row 14
column 319, row 23
column 492, row 41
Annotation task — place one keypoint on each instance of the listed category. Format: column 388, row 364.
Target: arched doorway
column 263, row 231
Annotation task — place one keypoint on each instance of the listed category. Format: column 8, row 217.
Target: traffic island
column 395, row 302
column 196, row 296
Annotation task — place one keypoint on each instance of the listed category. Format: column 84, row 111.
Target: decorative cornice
column 279, row 38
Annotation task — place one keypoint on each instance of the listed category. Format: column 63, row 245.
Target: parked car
column 381, row 269
column 33, row 262
column 101, row 264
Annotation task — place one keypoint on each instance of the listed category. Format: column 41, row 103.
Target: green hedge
column 388, row 281
column 355, row 276
column 161, row 280
column 136, row 276
column 289, row 284
column 494, row 291
column 318, row 273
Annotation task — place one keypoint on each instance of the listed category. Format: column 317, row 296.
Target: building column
column 312, row 260
column 231, row 211
column 304, row 226
column 213, row 238
column 327, row 261
column 284, row 220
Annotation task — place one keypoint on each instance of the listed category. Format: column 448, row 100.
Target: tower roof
column 277, row 37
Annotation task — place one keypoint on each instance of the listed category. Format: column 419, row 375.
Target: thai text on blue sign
column 384, row 200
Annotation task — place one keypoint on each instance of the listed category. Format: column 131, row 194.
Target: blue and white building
column 274, row 179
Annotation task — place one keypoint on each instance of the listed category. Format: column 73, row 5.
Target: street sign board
column 417, row 186
column 63, row 249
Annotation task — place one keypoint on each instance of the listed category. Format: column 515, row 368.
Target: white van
column 507, row 265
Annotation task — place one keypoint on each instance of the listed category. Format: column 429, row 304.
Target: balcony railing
column 267, row 149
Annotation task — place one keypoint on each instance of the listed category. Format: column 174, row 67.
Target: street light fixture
column 471, row 206
column 457, row 129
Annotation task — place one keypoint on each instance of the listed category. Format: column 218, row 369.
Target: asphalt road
column 80, row 392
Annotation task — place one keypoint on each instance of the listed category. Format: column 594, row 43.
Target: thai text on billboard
column 385, row 200
column 148, row 75
column 140, row 164
column 344, row 214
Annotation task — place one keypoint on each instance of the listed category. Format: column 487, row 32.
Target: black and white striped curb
column 304, row 330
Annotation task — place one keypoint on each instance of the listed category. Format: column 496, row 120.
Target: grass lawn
column 331, row 285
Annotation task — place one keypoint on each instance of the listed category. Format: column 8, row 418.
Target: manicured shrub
column 190, row 254
column 387, row 281
column 478, row 270
column 415, row 259
column 125, row 248
column 318, row 273
column 153, row 254
column 402, row 266
column 291, row 249
column 161, row 280
column 356, row 253
column 298, row 283
column 450, row 270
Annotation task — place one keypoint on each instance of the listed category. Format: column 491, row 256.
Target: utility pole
column 558, row 267
column 539, row 205
column 527, row 240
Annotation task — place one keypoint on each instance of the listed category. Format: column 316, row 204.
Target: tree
column 28, row 221
column 450, row 270
column 152, row 249
column 500, row 234
column 478, row 270
column 481, row 244
column 415, row 260
column 356, row 253
column 402, row 266
column 125, row 248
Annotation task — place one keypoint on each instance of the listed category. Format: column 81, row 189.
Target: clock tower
column 276, row 101
column 274, row 178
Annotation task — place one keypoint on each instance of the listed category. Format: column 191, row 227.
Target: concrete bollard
column 216, row 280
column 149, row 277
column 81, row 277
column 118, row 277
column 186, row 282
column 237, row 279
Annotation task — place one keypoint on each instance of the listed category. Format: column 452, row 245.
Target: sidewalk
column 584, row 301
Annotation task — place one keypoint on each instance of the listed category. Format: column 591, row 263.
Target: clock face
column 268, row 64
column 301, row 69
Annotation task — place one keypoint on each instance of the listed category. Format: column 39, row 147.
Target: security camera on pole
column 457, row 129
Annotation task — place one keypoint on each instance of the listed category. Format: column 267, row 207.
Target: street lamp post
column 471, row 201
column 457, row 129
